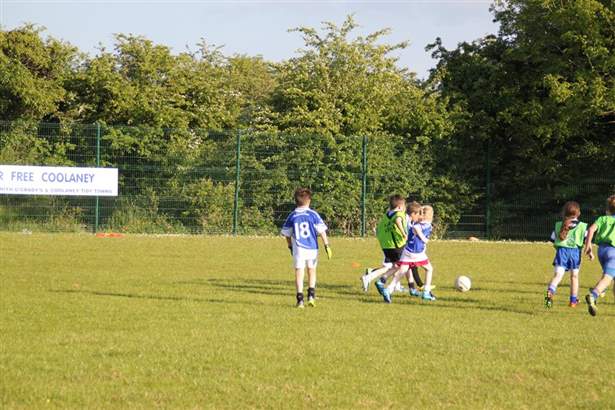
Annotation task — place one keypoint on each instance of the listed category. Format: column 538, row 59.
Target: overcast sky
column 253, row 27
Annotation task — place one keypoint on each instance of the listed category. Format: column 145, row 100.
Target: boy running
column 301, row 229
column 392, row 235
column 604, row 231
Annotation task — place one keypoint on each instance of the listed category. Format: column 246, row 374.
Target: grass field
column 209, row 322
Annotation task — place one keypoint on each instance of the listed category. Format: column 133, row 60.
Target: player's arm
column 325, row 238
column 325, row 241
column 287, row 232
column 400, row 225
column 321, row 230
column 587, row 250
column 419, row 233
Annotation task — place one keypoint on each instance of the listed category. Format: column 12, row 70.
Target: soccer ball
column 463, row 283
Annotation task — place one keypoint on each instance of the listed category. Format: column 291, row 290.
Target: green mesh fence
column 241, row 182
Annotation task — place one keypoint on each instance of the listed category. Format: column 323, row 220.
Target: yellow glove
column 328, row 251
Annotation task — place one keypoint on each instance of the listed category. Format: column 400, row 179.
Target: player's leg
column 558, row 275
column 574, row 288
column 412, row 287
column 299, row 274
column 392, row 257
column 427, row 295
column 311, row 283
column 388, row 273
column 381, row 283
column 606, row 256
column 398, row 274
column 388, row 291
column 417, row 277
column 391, row 272
column 594, row 293
column 409, row 281
column 371, row 274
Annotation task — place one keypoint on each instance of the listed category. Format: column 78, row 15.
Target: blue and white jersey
column 304, row 225
column 415, row 244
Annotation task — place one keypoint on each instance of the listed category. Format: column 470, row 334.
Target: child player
column 603, row 233
column 301, row 229
column 391, row 232
column 567, row 238
column 414, row 254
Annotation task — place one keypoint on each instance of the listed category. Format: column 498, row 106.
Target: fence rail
column 241, row 182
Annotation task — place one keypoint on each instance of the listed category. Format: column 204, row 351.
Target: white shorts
column 305, row 257
column 416, row 258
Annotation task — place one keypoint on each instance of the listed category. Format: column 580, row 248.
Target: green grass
column 209, row 322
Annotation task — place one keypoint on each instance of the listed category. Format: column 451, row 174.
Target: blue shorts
column 606, row 256
column 567, row 258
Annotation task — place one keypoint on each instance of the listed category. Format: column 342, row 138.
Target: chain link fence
column 241, row 182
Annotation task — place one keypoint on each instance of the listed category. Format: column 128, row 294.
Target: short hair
column 414, row 207
column 427, row 212
column 302, row 196
column 396, row 200
column 610, row 204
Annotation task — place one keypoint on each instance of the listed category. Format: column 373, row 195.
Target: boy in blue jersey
column 301, row 229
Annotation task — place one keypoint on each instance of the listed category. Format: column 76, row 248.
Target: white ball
column 463, row 283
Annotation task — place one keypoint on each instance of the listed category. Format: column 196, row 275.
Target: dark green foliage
column 540, row 96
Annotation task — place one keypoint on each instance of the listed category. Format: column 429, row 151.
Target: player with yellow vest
column 568, row 238
column 602, row 232
column 392, row 233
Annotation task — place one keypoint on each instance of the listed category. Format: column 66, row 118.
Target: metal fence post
column 363, row 185
column 237, row 178
column 488, row 193
column 96, row 219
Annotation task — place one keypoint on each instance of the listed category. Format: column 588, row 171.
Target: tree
column 340, row 88
column 32, row 75
column 540, row 95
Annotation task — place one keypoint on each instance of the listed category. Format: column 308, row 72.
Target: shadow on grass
column 272, row 287
column 453, row 303
column 514, row 282
column 505, row 290
column 152, row 297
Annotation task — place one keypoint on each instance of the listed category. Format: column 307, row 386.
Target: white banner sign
column 33, row 180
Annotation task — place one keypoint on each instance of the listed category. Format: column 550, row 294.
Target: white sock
column 376, row 273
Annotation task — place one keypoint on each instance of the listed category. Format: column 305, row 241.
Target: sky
column 254, row 27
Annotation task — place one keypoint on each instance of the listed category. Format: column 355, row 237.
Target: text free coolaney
column 54, row 177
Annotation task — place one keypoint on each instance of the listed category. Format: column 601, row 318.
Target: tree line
column 517, row 113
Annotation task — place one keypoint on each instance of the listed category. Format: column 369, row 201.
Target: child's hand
column 590, row 254
column 328, row 251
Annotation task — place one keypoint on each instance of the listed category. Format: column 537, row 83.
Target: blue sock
column 551, row 289
column 595, row 294
column 382, row 280
column 574, row 299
